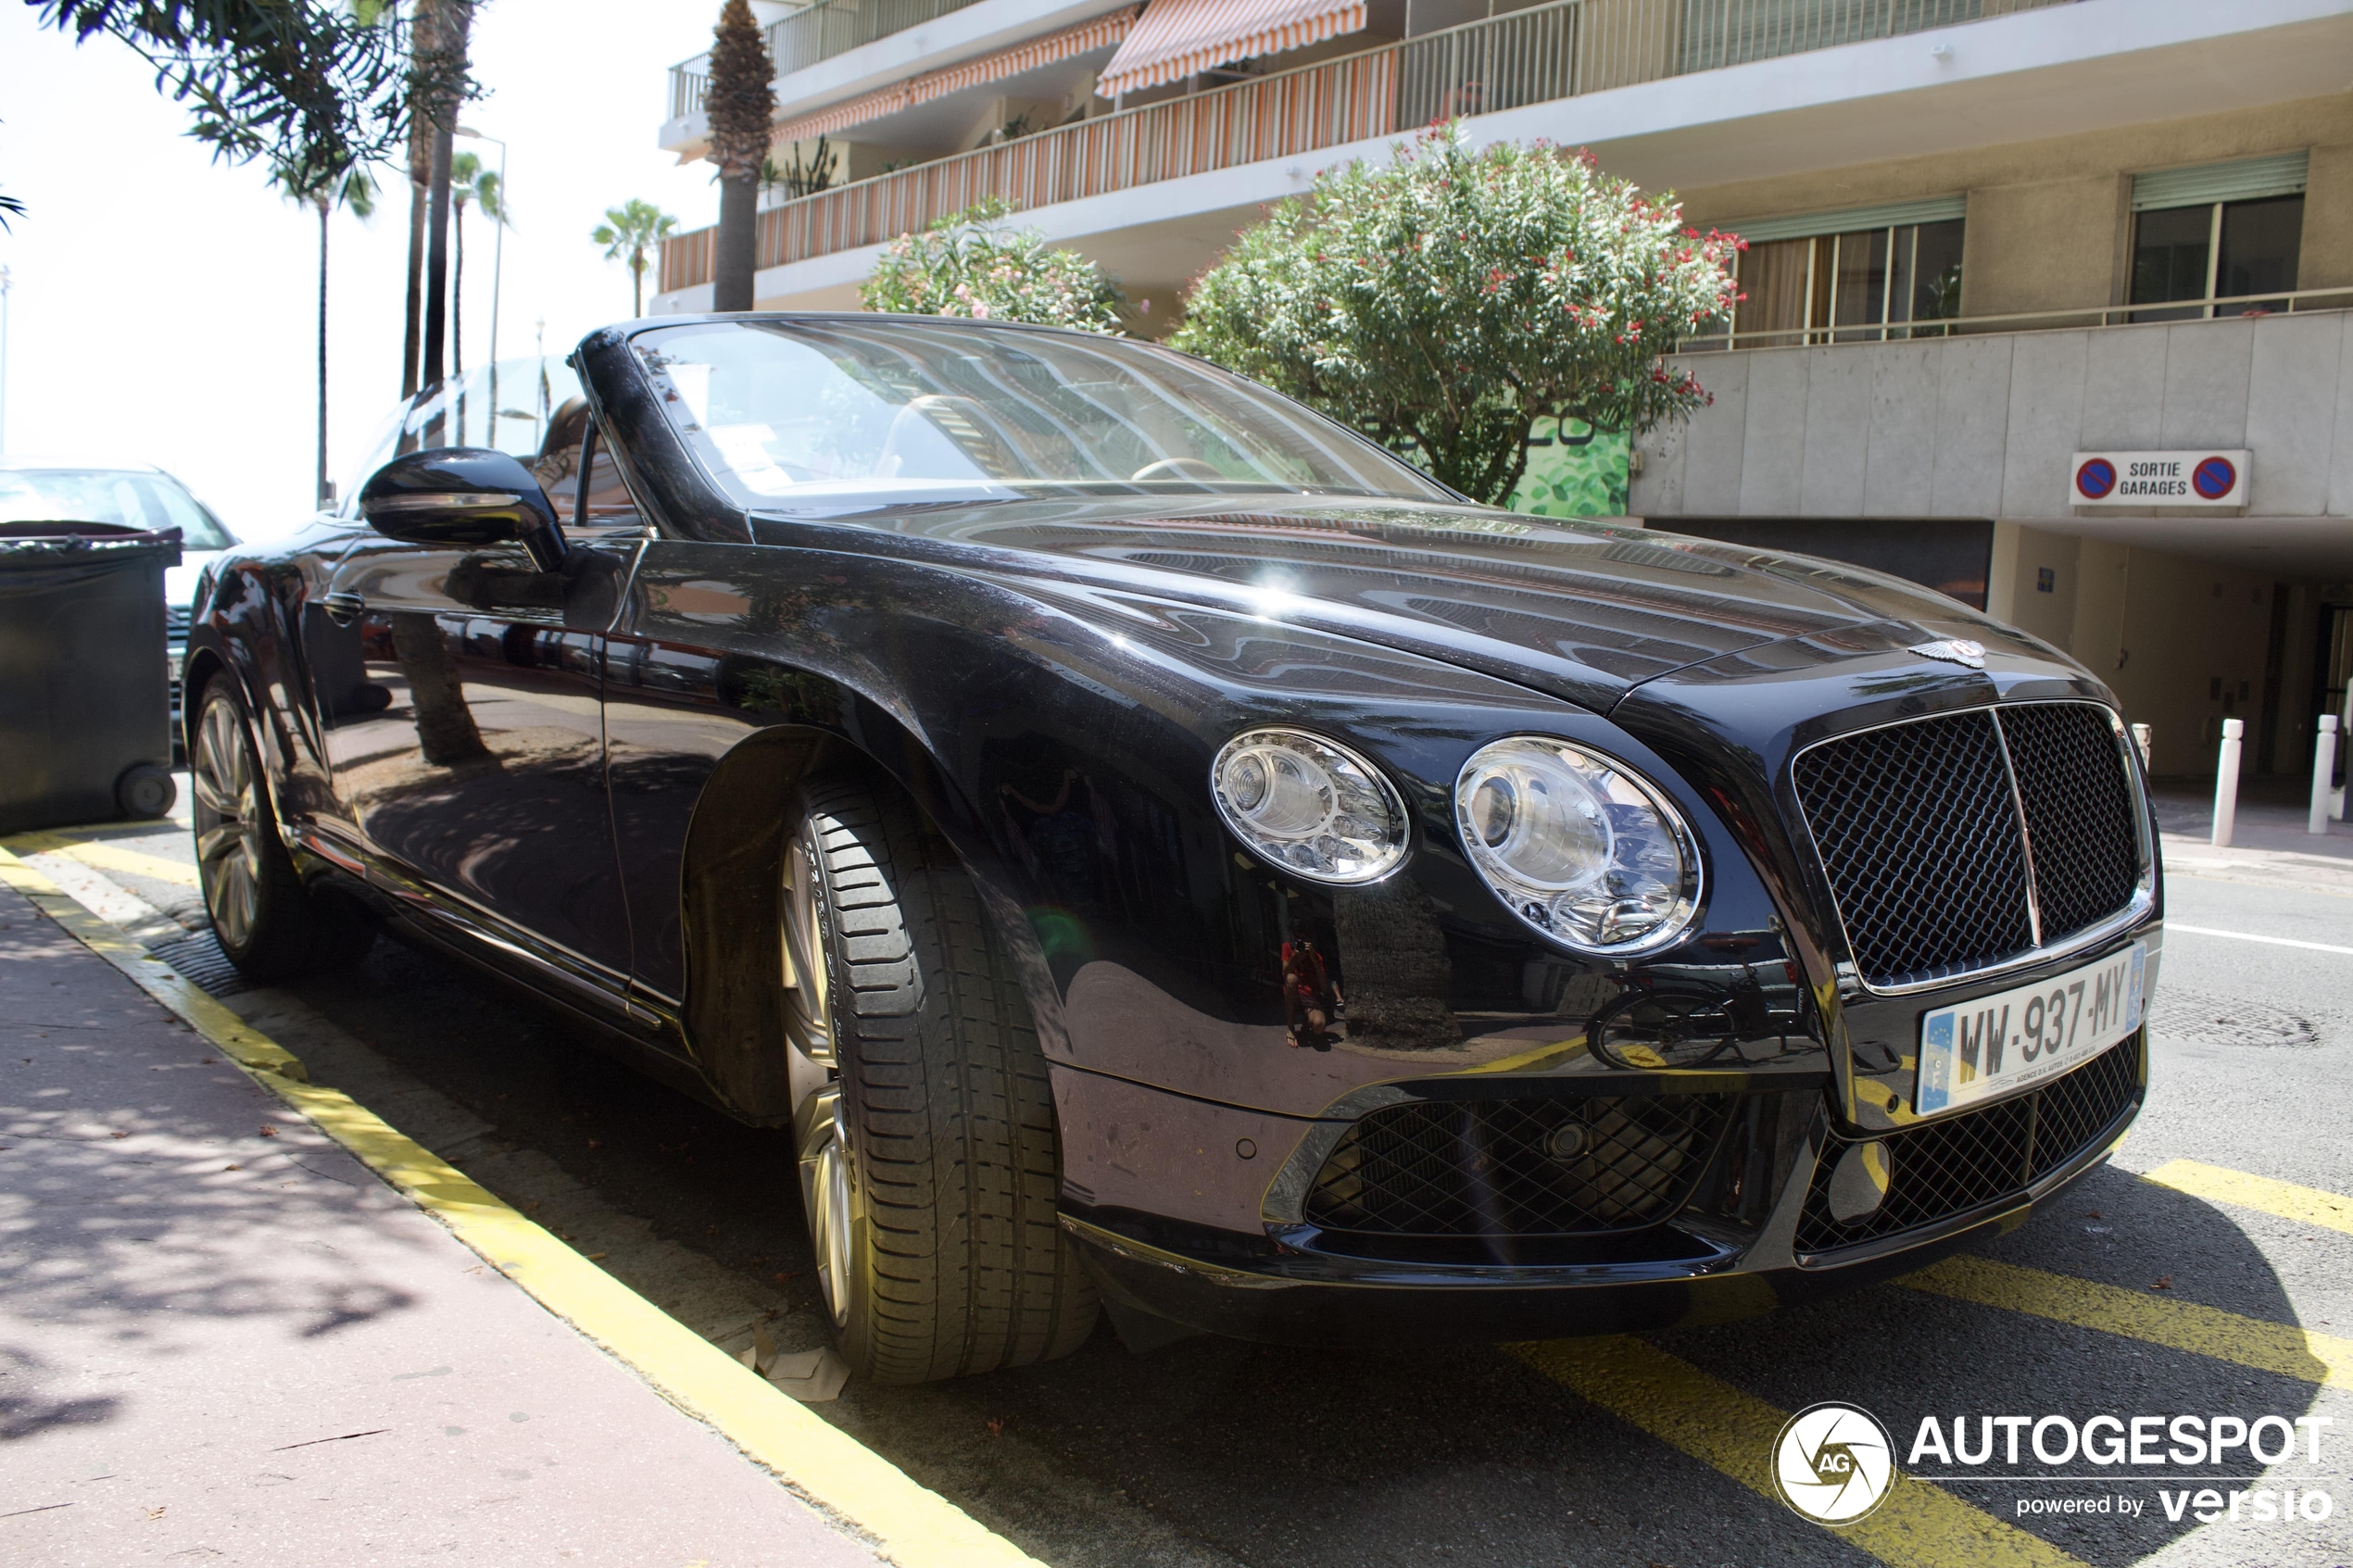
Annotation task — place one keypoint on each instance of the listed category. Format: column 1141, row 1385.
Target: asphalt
column 1213, row 1451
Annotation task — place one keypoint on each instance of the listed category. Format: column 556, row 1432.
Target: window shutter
column 2248, row 179
column 1846, row 221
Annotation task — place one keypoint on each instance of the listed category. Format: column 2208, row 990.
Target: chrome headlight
column 1310, row 806
column 1582, row 847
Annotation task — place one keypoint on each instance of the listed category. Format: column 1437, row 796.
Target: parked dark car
column 1150, row 846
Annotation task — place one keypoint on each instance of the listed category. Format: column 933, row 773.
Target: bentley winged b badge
column 1953, row 650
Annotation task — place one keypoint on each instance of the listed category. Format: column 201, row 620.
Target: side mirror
column 463, row 496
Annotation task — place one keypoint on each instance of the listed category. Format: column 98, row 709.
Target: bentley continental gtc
column 1144, row 849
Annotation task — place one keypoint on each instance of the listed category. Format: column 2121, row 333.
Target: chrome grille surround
column 1976, row 841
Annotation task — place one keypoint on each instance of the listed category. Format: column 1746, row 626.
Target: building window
column 2221, row 231
column 1853, row 285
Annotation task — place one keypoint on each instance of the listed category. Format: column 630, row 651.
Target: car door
column 469, row 756
column 668, row 723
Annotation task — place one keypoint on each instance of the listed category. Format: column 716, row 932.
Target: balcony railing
column 812, row 34
column 2289, row 302
column 1552, row 51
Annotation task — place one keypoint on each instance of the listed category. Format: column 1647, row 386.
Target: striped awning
column 1179, row 37
column 1100, row 33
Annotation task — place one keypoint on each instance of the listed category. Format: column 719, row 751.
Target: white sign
column 2200, row 477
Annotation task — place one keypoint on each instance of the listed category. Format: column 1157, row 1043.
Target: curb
column 912, row 1525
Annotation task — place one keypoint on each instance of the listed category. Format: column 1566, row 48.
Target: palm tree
column 352, row 189
column 468, row 181
column 741, row 106
column 627, row 233
column 438, row 82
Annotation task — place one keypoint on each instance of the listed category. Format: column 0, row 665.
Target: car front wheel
column 929, row 1159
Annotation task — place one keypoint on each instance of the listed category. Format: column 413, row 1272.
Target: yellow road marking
column 916, row 1526
column 1546, row 1054
column 1920, row 1526
column 2178, row 1325
column 105, row 856
column 2284, row 1199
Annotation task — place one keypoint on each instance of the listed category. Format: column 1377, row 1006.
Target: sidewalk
column 224, row 1337
column 2273, row 814
column 2269, row 844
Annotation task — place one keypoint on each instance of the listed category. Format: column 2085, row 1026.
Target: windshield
column 841, row 415
column 119, row 497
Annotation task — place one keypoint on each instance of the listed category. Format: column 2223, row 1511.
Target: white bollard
column 2144, row 738
column 2226, row 781
column 2323, row 775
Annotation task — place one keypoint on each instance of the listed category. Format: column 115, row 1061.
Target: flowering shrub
column 970, row 264
column 1443, row 304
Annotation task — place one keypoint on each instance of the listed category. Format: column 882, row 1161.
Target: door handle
column 343, row 608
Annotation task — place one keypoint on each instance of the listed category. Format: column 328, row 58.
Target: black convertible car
column 1153, row 848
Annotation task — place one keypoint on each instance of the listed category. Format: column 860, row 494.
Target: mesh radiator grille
column 2078, row 800
column 1943, row 838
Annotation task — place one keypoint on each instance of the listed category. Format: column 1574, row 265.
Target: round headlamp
column 1581, row 847
column 1310, row 806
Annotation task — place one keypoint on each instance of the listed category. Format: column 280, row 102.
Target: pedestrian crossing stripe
column 2284, row 1199
column 1920, row 1526
column 2282, row 1349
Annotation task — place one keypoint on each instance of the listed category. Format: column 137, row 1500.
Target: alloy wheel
column 807, row 1020
column 824, row 1189
column 227, row 817
column 824, row 1148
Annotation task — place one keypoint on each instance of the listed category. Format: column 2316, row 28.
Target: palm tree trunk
column 736, row 251
column 436, row 368
column 409, row 352
column 458, row 301
column 638, row 283
column 452, row 20
column 421, row 41
column 321, row 489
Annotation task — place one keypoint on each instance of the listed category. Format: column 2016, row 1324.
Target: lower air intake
column 1518, row 1167
column 1950, row 1166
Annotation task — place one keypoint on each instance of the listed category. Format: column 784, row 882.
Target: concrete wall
column 2048, row 221
column 2327, row 259
column 1986, row 426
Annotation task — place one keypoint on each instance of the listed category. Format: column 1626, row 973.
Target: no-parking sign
column 2138, row 480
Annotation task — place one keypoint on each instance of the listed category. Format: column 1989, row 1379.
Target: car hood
column 1584, row 610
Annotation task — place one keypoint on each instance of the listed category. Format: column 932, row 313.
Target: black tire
column 267, row 923
column 954, row 1262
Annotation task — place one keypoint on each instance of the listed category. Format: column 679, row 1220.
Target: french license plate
column 1995, row 1046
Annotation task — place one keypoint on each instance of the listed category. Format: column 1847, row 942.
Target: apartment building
column 2046, row 300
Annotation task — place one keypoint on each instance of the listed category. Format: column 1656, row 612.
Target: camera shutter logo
column 1833, row 1463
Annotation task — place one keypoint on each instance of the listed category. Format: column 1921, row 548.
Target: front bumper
column 1721, row 1256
